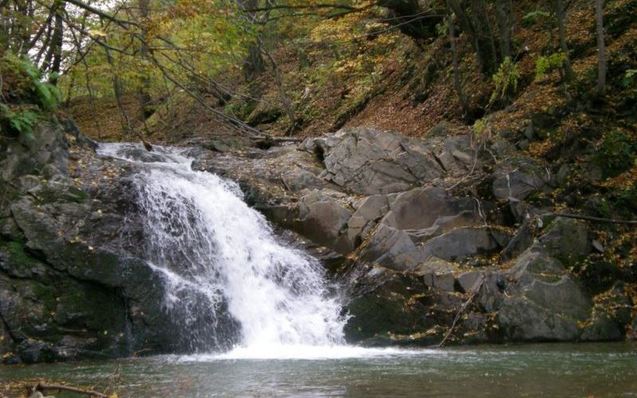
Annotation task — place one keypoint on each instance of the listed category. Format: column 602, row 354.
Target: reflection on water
column 550, row 370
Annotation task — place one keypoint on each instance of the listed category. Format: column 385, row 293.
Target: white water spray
column 201, row 235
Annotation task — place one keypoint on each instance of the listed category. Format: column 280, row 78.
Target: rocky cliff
column 438, row 238
column 72, row 280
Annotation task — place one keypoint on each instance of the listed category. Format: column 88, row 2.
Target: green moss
column 18, row 257
column 76, row 195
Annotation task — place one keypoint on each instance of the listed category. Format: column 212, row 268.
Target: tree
column 457, row 79
column 560, row 15
column 504, row 17
column 601, row 47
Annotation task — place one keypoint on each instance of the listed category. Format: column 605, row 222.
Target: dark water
column 547, row 370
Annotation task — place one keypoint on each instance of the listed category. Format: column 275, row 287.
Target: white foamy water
column 308, row 352
column 201, row 236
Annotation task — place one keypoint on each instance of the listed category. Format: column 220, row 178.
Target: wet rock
column 386, row 309
column 523, row 320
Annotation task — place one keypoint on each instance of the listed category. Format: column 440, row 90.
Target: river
column 535, row 370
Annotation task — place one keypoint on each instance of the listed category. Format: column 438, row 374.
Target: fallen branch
column 268, row 141
column 463, row 308
column 43, row 387
column 590, row 218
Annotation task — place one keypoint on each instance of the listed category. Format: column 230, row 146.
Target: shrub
column 630, row 78
column 26, row 83
column 535, row 17
column 616, row 153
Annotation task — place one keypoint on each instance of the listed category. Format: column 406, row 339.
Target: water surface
column 546, row 370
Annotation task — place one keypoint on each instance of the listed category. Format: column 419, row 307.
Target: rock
column 521, row 240
column 48, row 147
column 370, row 210
column 468, row 281
column 633, row 329
column 435, row 265
column 461, row 243
column 523, row 320
column 566, row 239
column 611, row 314
column 298, row 179
column 422, row 207
column 368, row 161
column 440, row 280
column 392, row 248
column 542, row 302
column 323, row 218
column 518, row 179
column 383, row 310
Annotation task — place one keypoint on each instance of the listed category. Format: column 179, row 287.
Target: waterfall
column 203, row 238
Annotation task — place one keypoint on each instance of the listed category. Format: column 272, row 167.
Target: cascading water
column 204, row 238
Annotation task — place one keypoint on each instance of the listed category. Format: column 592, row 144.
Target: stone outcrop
column 400, row 223
column 417, row 244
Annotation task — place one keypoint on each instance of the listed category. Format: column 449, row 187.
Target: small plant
column 481, row 127
column 505, row 80
column 442, row 28
column 547, row 64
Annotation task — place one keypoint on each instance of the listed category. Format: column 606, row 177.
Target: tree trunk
column 560, row 13
column 253, row 65
column 482, row 24
column 475, row 24
column 143, row 93
column 56, row 44
column 601, row 47
column 504, row 10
